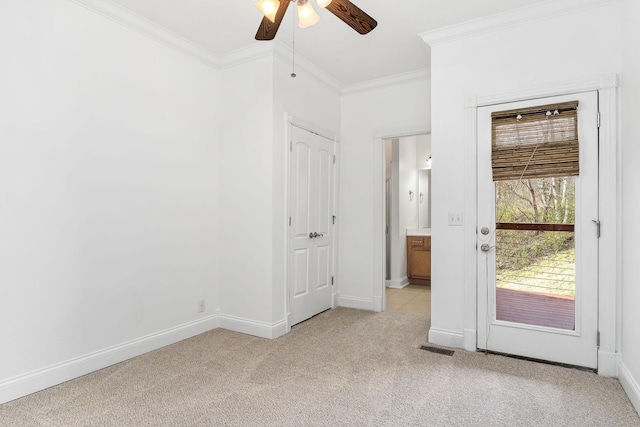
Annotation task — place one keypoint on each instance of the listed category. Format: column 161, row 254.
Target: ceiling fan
column 274, row 11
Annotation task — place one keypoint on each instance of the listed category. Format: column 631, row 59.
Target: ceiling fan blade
column 268, row 29
column 352, row 15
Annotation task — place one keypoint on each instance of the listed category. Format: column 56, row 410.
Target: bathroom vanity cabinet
column 419, row 260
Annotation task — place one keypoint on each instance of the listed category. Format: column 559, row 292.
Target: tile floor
column 414, row 299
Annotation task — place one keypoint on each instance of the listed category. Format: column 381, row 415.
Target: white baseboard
column 608, row 364
column 446, row 338
column 252, row 327
column 356, row 302
column 377, row 304
column 470, row 340
column 630, row 385
column 40, row 379
column 397, row 283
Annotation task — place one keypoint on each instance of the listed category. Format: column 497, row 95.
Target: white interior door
column 519, row 299
column 311, row 227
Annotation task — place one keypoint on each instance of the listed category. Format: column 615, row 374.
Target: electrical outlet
column 455, row 219
column 201, row 306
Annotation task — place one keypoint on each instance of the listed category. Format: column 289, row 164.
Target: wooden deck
column 553, row 311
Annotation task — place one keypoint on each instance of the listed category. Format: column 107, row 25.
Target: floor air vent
column 437, row 350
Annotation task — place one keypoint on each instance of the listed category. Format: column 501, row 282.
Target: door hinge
column 334, row 220
column 289, row 221
column 598, row 120
column 334, row 159
column 597, row 223
column 598, row 340
column 331, row 280
column 291, row 146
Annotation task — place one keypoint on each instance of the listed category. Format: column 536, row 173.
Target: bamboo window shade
column 536, row 142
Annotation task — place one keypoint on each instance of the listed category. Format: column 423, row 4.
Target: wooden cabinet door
column 419, row 257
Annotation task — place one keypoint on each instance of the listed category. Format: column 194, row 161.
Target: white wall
column 367, row 115
column 108, row 175
column 423, row 152
column 316, row 103
column 630, row 366
column 538, row 53
column 246, row 195
column 403, row 206
column 405, row 180
column 255, row 96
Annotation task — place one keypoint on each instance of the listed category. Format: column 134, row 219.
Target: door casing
column 610, row 207
column 578, row 346
column 291, row 121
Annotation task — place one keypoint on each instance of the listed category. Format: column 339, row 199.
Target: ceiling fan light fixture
column 269, row 8
column 323, row 3
column 307, row 15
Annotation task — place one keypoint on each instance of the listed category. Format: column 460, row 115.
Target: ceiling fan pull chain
column 293, row 50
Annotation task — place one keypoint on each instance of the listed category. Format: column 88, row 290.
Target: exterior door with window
column 311, row 227
column 538, row 229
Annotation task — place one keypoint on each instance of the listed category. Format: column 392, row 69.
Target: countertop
column 418, row 232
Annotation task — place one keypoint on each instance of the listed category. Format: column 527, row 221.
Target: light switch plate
column 455, row 219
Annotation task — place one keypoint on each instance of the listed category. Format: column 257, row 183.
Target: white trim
column 630, row 385
column 400, row 133
column 379, row 209
column 336, row 226
column 379, row 249
column 509, row 19
column 300, row 124
column 135, row 22
column 607, row 364
column 378, row 303
column 397, row 283
column 398, row 79
column 256, row 50
column 290, row 121
column 470, row 180
column 607, row 81
column 610, row 199
column 40, row 379
column 243, row 55
column 253, row 327
column 284, row 53
column 469, row 336
column 446, row 338
column 609, row 206
column 287, row 196
column 356, row 302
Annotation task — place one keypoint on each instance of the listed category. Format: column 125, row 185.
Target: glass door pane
column 535, row 252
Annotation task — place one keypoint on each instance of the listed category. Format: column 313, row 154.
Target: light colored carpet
column 343, row 367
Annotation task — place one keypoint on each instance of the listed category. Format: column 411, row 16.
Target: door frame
column 609, row 209
column 290, row 121
column 379, row 201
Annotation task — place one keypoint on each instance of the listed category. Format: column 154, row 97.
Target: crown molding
column 284, row 54
column 257, row 50
column 135, row 22
column 512, row 18
column 398, row 79
column 246, row 54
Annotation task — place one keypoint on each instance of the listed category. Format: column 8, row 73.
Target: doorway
column 538, row 229
column 311, row 224
column 407, row 199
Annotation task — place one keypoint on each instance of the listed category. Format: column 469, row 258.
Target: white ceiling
column 392, row 48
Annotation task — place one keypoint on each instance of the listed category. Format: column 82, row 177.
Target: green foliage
column 533, row 201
